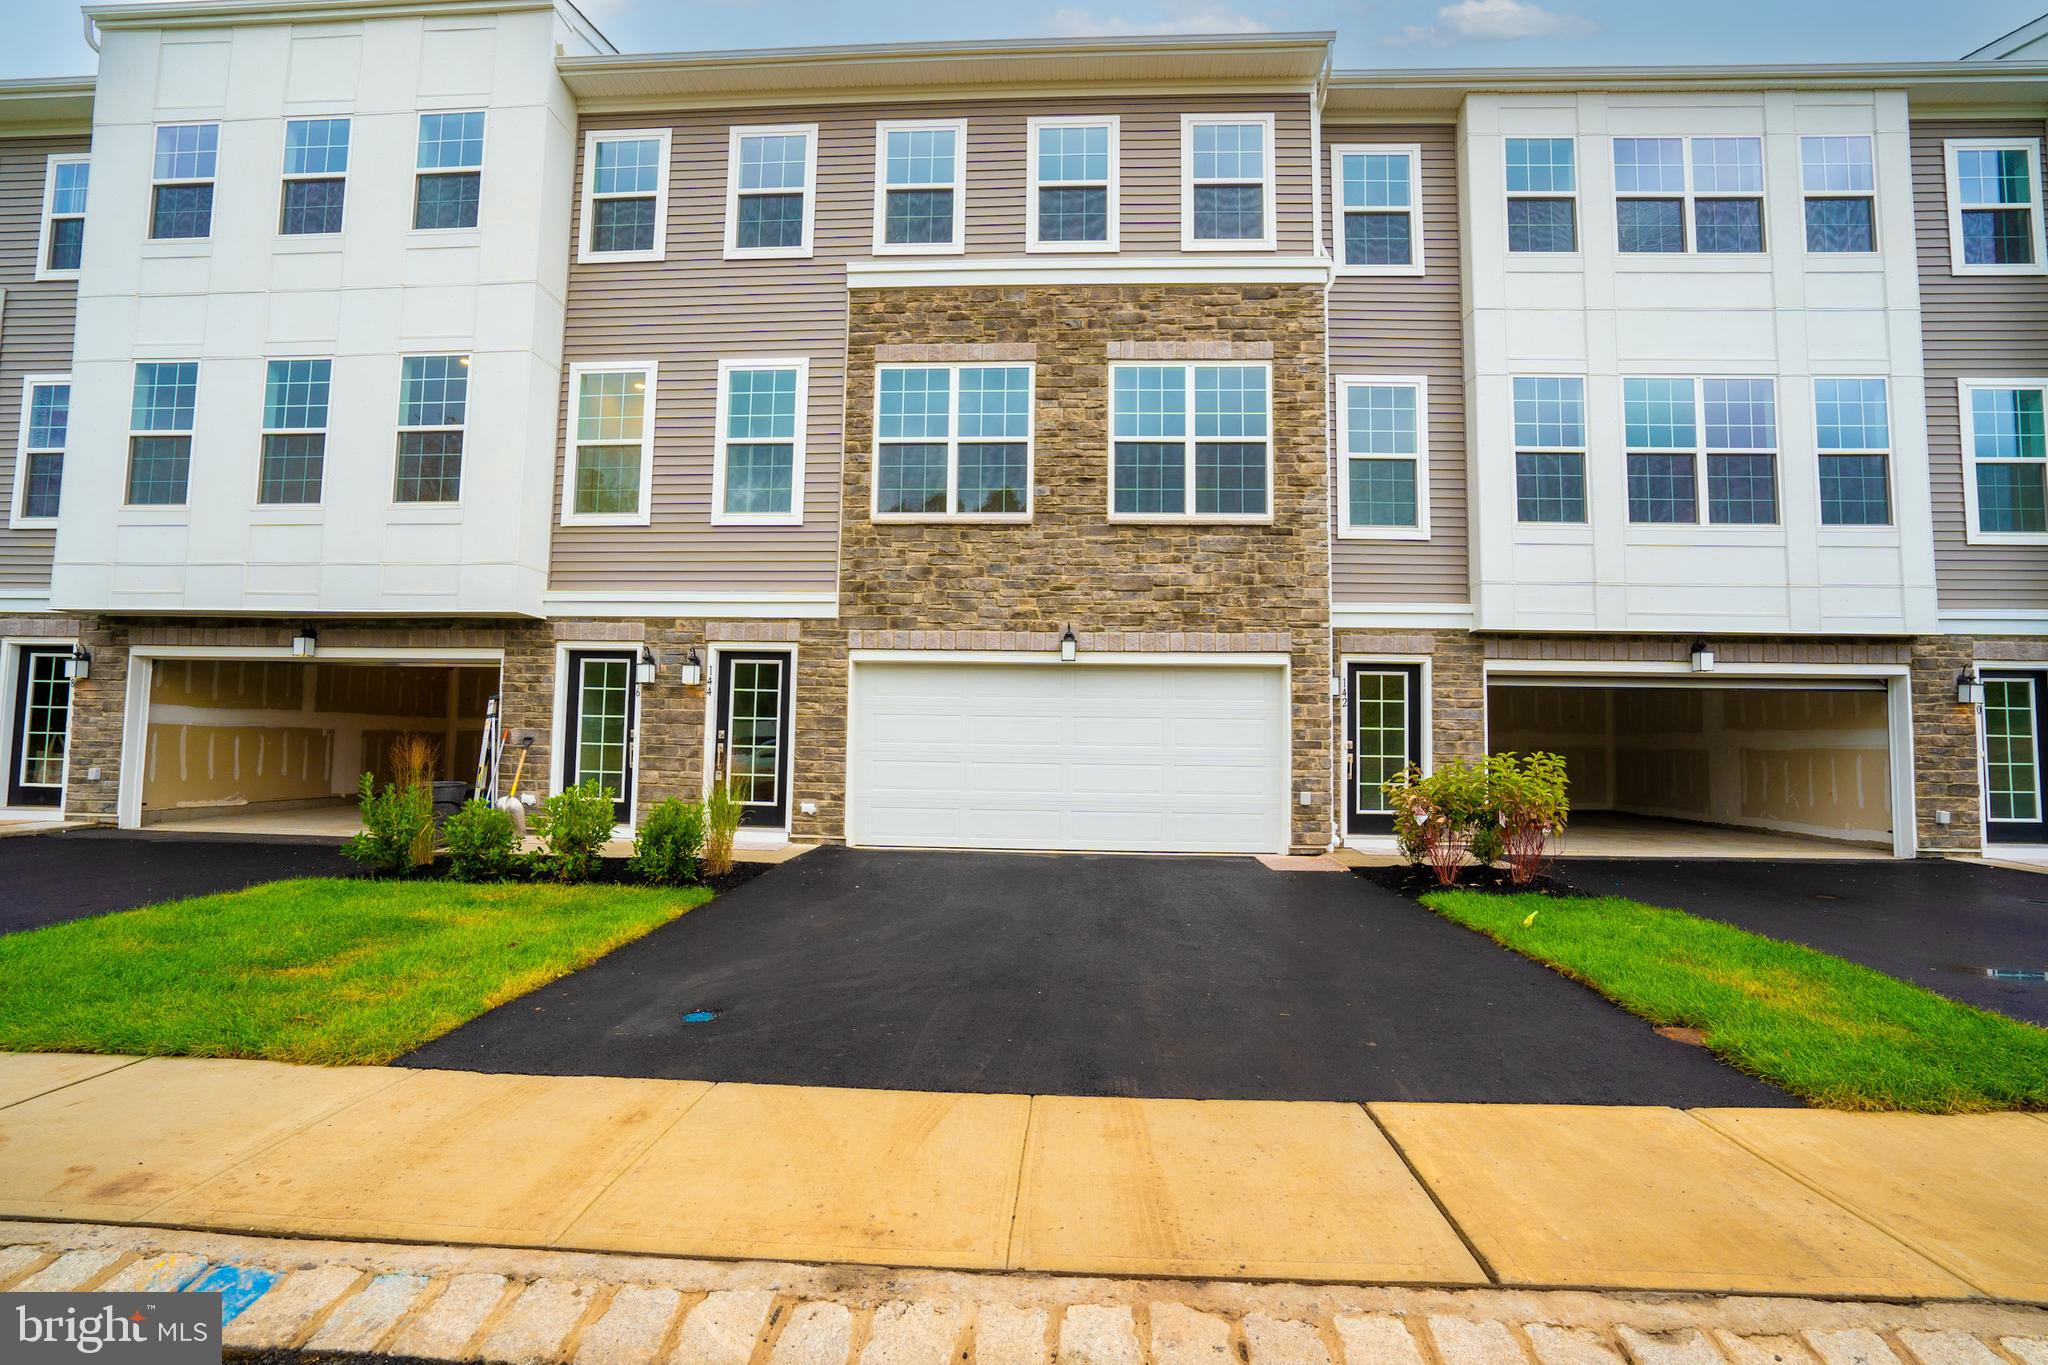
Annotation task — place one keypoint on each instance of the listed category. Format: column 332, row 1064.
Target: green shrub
column 394, row 821
column 1499, row 806
column 722, row 810
column 480, row 843
column 575, row 824
column 670, row 841
column 1528, row 794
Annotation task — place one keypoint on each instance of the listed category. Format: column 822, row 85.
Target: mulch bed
column 1413, row 881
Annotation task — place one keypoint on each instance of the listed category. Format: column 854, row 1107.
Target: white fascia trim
column 1064, row 270
column 772, row 606
column 1681, row 670
column 1400, row 616
column 1994, row 622
column 27, row 601
column 1050, row 658
column 401, row 654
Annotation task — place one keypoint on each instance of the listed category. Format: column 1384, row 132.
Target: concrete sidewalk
column 1797, row 1202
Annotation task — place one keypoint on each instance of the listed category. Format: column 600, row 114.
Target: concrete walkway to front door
column 1775, row 1201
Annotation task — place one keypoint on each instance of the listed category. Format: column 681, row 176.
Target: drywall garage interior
column 226, row 733
column 1800, row 760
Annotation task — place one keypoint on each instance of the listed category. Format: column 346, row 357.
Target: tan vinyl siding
column 1406, row 325
column 35, row 335
column 1975, row 327
column 694, row 308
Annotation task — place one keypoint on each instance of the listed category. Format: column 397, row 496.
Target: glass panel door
column 753, row 726
column 2012, row 759
column 42, row 729
column 1385, row 736
column 601, row 725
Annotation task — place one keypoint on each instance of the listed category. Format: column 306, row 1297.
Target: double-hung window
column 62, row 245
column 1226, row 181
column 1382, row 430
column 953, row 440
column 39, row 460
column 1072, row 204
column 1839, row 179
column 1660, row 431
column 160, row 432
column 1191, row 441
column 758, row 473
column 1742, row 451
column 611, row 444
column 181, row 181
column 2005, row 444
column 1550, row 449
column 315, row 175
column 1542, row 190
column 625, row 196
column 920, row 189
column 768, row 197
column 1994, row 206
column 1852, row 431
column 1378, row 198
column 433, row 408
column 1704, row 194
column 448, row 185
column 294, row 431
column 1711, row 443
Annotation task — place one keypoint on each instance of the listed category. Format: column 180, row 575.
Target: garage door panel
column 1091, row 757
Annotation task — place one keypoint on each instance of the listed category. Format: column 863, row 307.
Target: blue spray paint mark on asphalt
column 238, row 1287
column 700, row 1016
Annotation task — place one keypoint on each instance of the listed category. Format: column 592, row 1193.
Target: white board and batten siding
column 1103, row 757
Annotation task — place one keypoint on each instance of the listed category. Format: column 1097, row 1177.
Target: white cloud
column 1176, row 16
column 1492, row 21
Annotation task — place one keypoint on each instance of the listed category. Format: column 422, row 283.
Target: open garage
column 1664, row 762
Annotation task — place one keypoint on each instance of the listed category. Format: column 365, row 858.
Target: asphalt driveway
column 49, row 878
column 1938, row 924
column 1085, row 975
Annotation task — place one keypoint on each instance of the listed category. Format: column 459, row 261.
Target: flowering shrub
column 1484, row 809
column 1527, row 794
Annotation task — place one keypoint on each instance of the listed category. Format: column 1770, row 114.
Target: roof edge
column 990, row 50
column 218, row 13
column 1581, row 77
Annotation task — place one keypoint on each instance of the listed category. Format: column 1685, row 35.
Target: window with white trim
column 1550, row 449
column 1994, row 206
column 768, row 191
column 181, row 181
column 1542, row 192
column 315, row 176
column 449, row 180
column 60, row 247
column 1383, row 434
column 295, row 394
column 1072, row 200
column 1852, row 432
column 611, row 443
column 1838, row 176
column 1677, row 195
column 953, row 441
column 1711, row 443
column 433, row 415
column 1742, row 451
column 2005, row 449
column 1191, row 441
column 625, row 195
column 39, row 457
column 758, row 472
column 160, row 432
column 920, row 186
column 1226, row 181
column 1377, row 201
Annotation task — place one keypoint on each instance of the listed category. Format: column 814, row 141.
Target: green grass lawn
column 315, row 970
column 1830, row 1031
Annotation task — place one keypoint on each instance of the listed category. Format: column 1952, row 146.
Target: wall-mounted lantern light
column 1969, row 688
column 305, row 643
column 1702, row 657
column 644, row 669
column 691, row 673
column 78, row 664
column 1069, row 646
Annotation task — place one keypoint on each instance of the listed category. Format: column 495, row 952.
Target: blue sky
column 44, row 37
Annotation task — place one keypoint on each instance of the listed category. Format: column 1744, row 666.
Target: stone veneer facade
column 1180, row 587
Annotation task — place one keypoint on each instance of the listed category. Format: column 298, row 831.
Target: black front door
column 753, row 735
column 2015, row 720
column 1382, row 735
column 42, row 729
column 601, row 714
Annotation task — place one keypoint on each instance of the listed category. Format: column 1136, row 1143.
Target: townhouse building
column 1135, row 445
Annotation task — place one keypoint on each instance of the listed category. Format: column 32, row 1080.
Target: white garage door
column 1069, row 756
